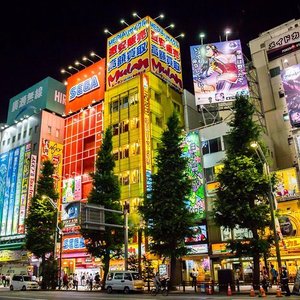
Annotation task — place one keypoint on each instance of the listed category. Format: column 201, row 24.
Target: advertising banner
column 7, row 192
column 197, row 249
column 128, row 53
column 192, row 151
column 287, row 184
column 70, row 214
column 218, row 72
column 11, row 204
column 48, row 93
column 3, row 173
column 71, row 189
column 73, row 244
column 165, row 56
column 200, row 235
column 24, row 189
column 283, row 44
column 32, row 173
column 291, row 84
column 18, row 192
column 86, row 87
column 54, row 152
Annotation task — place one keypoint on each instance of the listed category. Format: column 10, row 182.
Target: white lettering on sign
column 60, row 97
column 84, row 87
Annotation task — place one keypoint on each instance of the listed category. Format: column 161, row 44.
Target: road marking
column 20, row 297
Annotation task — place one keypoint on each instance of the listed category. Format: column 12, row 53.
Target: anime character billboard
column 218, row 72
column 291, row 84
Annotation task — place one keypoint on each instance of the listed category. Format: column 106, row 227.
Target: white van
column 23, row 282
column 124, row 281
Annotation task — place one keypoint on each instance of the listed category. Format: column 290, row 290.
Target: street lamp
column 227, row 32
column 172, row 25
column 92, row 54
column 202, row 36
column 263, row 159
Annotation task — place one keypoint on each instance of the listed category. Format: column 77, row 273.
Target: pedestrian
column 83, row 279
column 265, row 279
column 194, row 275
column 3, row 280
column 157, row 282
column 274, row 275
column 91, row 281
column 75, row 282
column 7, row 279
column 285, row 281
column 66, row 281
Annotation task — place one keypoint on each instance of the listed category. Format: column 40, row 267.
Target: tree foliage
column 242, row 198
column 41, row 220
column 106, row 192
column 164, row 208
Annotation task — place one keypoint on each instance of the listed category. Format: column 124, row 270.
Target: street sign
column 92, row 216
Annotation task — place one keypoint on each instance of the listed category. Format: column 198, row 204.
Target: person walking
column 274, row 275
column 265, row 279
column 75, row 282
column 91, row 281
column 157, row 282
column 285, row 281
column 194, row 275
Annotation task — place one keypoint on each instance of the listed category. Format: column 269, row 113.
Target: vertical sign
column 18, row 191
column 291, row 84
column 32, row 172
column 7, row 193
column 3, row 174
column 218, row 72
column 24, row 189
column 12, row 193
column 192, row 151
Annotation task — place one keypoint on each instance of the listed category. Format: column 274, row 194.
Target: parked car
column 125, row 281
column 23, row 282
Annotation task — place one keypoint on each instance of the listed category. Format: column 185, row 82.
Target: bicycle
column 163, row 288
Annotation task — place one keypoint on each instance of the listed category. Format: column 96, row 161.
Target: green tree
column 105, row 191
column 41, row 220
column 164, row 208
column 242, row 198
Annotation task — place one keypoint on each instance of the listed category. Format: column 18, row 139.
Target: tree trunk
column 106, row 260
column 256, row 272
column 173, row 273
column 44, row 283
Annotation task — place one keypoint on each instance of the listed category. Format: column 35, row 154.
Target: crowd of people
column 72, row 281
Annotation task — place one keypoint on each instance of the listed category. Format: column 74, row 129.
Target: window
column 133, row 97
column 176, row 107
column 57, row 131
column 275, row 72
column 135, row 176
column 8, row 141
column 157, row 97
column 30, row 130
column 115, row 129
column 225, row 140
column 24, row 133
column 124, row 101
column 14, row 139
column 49, row 129
column 135, row 149
column 3, row 143
column 211, row 146
column 124, row 178
column 127, row 276
column 118, row 276
column 19, row 136
column 134, row 123
column 115, row 106
column 116, row 154
column 124, row 126
column 36, row 127
column 205, row 147
column 34, row 147
column 158, row 121
column 209, row 174
column 124, row 152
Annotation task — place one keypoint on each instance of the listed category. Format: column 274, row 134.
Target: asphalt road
column 73, row 295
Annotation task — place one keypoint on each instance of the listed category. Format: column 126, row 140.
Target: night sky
column 37, row 39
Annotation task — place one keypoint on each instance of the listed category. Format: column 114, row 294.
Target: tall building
column 143, row 87
column 33, row 132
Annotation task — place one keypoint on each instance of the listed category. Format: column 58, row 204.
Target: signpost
column 93, row 217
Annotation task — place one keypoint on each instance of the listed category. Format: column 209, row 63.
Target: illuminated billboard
column 199, row 234
column 218, row 72
column 86, row 87
column 48, row 93
column 287, row 184
column 142, row 47
column 165, row 56
column 291, row 84
column 283, row 44
column 71, row 189
column 191, row 149
column 128, row 53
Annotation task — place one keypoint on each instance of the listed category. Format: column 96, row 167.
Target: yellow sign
column 287, row 185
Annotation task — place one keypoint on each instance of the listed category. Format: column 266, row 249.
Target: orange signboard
column 86, row 87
